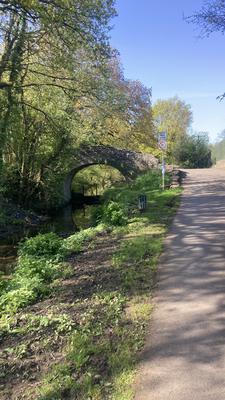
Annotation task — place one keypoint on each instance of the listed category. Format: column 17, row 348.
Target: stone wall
column 129, row 163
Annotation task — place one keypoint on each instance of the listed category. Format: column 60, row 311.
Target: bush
column 114, row 214
column 13, row 300
column 30, row 281
column 97, row 215
column 46, row 270
column 47, row 245
column 151, row 180
column 38, row 265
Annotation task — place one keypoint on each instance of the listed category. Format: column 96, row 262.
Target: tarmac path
column 184, row 357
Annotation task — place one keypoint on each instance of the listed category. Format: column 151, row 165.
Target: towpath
column 184, row 357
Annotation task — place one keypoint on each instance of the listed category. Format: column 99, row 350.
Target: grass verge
column 87, row 327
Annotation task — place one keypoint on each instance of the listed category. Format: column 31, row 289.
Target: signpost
column 162, row 143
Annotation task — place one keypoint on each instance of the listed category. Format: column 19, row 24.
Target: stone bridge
column 129, row 163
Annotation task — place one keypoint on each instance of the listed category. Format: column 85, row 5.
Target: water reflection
column 65, row 222
column 72, row 219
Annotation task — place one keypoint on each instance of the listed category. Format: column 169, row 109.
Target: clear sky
column 164, row 52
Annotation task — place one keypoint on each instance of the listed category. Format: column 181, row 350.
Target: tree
column 61, row 85
column 54, row 56
column 40, row 38
column 124, row 118
column 210, row 18
column 193, row 151
column 173, row 116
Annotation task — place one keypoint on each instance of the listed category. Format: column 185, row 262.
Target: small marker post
column 162, row 143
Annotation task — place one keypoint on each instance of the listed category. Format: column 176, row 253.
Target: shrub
column 97, row 215
column 148, row 181
column 46, row 270
column 112, row 213
column 38, row 265
column 11, row 301
column 47, row 245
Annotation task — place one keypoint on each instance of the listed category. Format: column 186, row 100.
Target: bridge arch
column 129, row 163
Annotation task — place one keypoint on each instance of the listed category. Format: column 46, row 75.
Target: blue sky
column 164, row 52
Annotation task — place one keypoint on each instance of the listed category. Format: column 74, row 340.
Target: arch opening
column 92, row 179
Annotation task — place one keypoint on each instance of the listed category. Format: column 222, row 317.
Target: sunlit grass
column 98, row 359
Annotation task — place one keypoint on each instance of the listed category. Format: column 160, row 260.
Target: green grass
column 39, row 269
column 126, row 312
column 136, row 259
column 99, row 355
column 80, row 240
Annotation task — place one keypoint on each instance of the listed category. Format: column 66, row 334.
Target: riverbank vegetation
column 74, row 312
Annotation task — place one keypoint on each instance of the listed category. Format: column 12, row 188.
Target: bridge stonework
column 129, row 163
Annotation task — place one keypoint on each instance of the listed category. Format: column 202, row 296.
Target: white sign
column 162, row 141
column 162, row 144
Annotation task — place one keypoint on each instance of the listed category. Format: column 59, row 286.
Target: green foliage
column 149, row 181
column 37, row 267
column 18, row 352
column 173, row 116
column 70, row 91
column 80, row 349
column 43, row 93
column 114, row 214
column 78, row 241
column 46, row 269
column 127, row 194
column 96, row 178
column 194, row 152
column 15, row 299
column 135, row 251
column 3, row 283
column 30, row 323
column 103, row 331
column 133, row 259
column 87, row 343
column 47, row 245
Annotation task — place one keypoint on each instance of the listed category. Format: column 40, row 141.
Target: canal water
column 66, row 221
